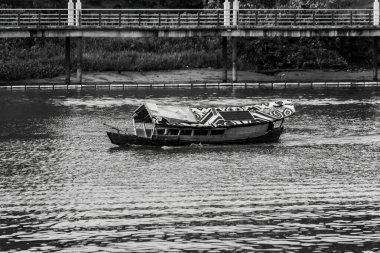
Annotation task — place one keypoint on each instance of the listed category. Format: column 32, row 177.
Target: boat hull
column 128, row 139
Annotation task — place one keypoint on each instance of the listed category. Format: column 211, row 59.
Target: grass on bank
column 44, row 58
column 30, row 59
column 104, row 61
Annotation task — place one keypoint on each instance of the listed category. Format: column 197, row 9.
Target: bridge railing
column 185, row 17
column 305, row 17
column 33, row 17
column 148, row 18
column 110, row 17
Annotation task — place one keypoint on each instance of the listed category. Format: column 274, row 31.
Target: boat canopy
column 167, row 114
column 214, row 116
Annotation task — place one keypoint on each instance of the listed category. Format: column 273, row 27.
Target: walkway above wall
column 19, row 23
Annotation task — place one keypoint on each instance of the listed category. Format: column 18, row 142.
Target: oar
column 112, row 127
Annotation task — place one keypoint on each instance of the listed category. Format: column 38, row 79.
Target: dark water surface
column 64, row 187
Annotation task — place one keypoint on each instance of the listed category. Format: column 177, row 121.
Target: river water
column 64, row 187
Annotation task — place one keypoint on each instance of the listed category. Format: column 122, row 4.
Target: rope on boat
column 112, row 127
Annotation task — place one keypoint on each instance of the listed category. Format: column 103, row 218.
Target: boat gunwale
column 209, row 128
column 156, row 142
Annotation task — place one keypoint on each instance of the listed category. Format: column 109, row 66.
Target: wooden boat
column 159, row 125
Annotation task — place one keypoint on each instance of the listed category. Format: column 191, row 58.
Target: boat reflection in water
column 159, row 125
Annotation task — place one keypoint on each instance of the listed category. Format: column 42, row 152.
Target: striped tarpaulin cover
column 226, row 116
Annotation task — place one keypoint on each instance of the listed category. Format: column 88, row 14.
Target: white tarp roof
column 172, row 114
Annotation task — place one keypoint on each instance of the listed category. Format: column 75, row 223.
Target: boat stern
column 273, row 135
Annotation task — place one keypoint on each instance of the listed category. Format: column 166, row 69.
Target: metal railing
column 313, row 17
column 32, row 17
column 149, row 18
column 185, row 17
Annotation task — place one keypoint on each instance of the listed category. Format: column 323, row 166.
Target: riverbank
column 120, row 60
column 205, row 76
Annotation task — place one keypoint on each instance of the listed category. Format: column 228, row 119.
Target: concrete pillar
column 78, row 13
column 70, row 13
column 79, row 59
column 235, row 7
column 67, row 61
column 225, row 59
column 374, row 61
column 376, row 12
column 234, row 59
column 227, row 13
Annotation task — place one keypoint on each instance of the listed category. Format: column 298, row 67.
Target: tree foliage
column 106, row 3
column 295, row 4
column 319, row 4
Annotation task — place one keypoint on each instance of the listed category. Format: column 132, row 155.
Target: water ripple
column 64, row 187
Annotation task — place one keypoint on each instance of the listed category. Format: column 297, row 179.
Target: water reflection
column 64, row 187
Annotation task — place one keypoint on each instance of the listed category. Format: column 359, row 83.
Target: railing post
column 78, row 13
column 119, row 18
column 59, row 19
column 100, row 19
column 376, row 12
column 70, row 13
column 159, row 19
column 237, row 18
column 139, row 19
column 257, row 17
column 333, row 18
column 218, row 18
column 18, row 19
column 179, row 18
column 275, row 17
column 39, row 18
column 235, row 11
column 370, row 18
column 314, row 17
column 199, row 18
column 295, row 18
column 351, row 17
column 227, row 13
